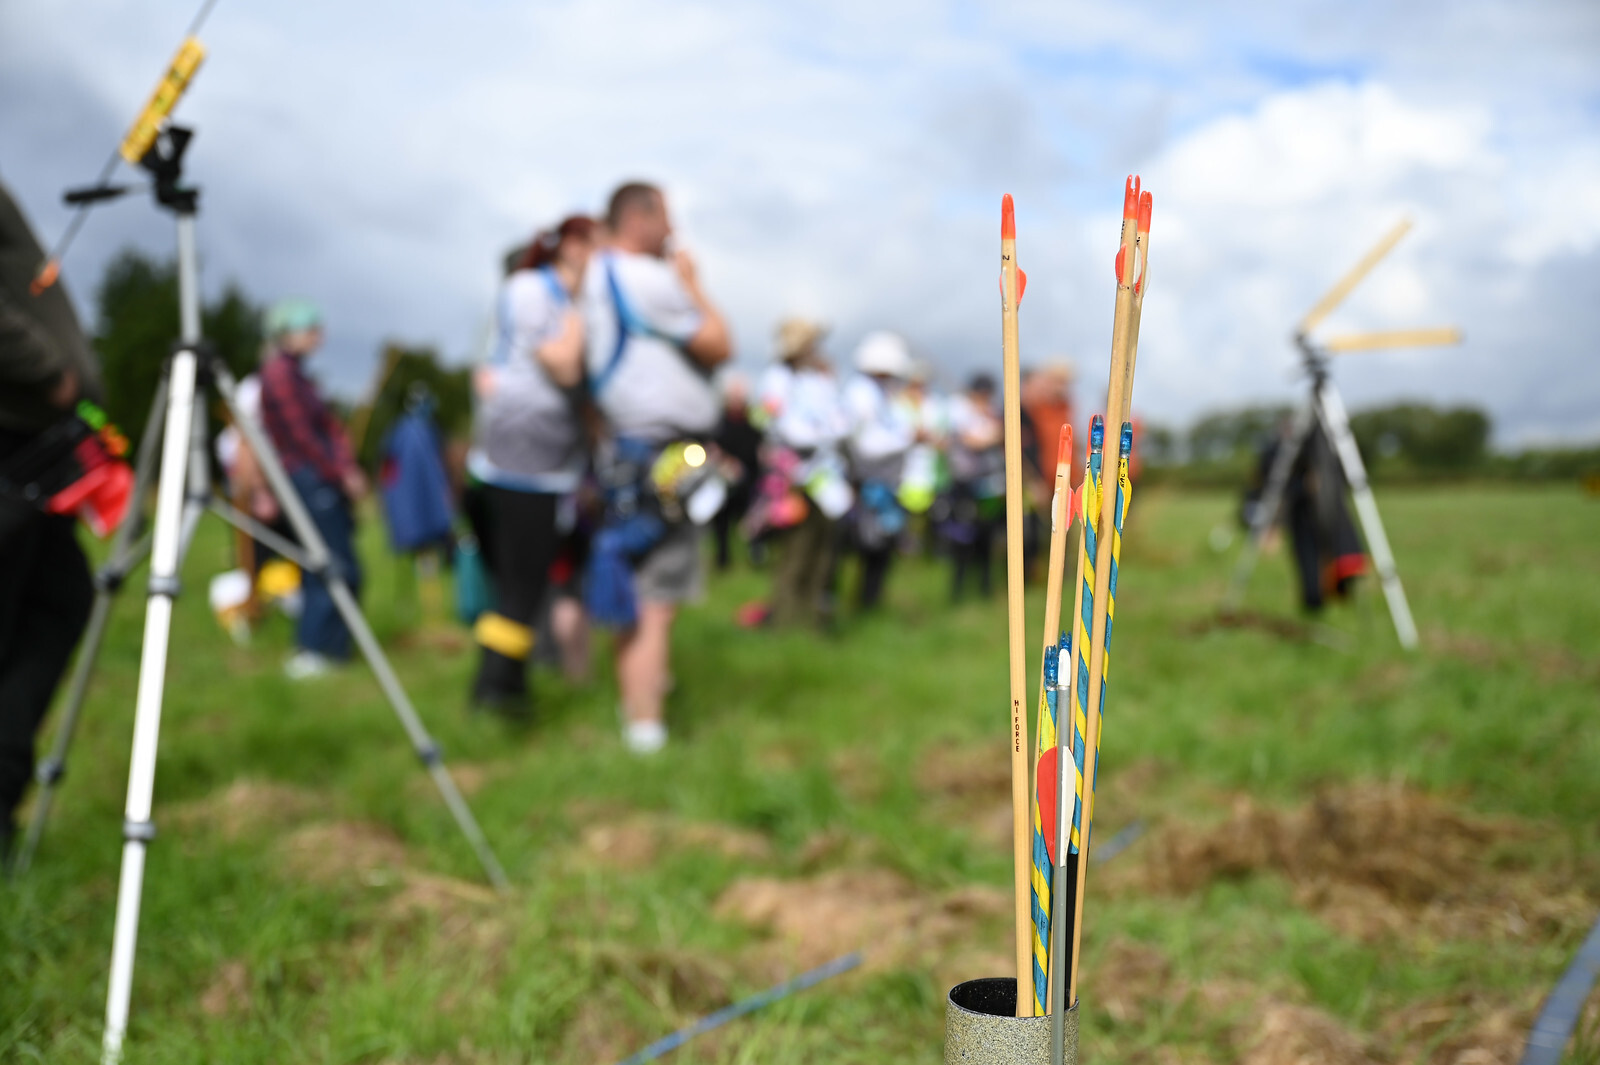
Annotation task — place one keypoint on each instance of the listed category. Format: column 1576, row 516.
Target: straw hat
column 1060, row 369
column 797, row 336
column 886, row 353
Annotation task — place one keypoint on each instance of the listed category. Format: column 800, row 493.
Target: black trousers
column 977, row 556
column 523, row 546
column 45, row 596
column 874, row 574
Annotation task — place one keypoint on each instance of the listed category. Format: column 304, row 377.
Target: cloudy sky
column 846, row 160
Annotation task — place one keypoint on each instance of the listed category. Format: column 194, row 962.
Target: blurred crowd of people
column 871, row 462
column 610, row 440
column 607, row 446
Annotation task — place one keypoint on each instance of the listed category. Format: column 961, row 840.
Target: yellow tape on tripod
column 163, row 100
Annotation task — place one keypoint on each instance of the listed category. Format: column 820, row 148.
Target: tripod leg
column 137, row 829
column 254, row 530
column 125, row 554
column 318, row 559
column 427, row 750
column 1266, row 511
column 197, row 490
column 1337, row 423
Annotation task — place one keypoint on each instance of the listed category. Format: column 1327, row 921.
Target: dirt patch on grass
column 470, row 777
column 1130, row 981
column 339, row 852
column 858, row 774
column 875, row 911
column 638, row 840
column 677, row 982
column 1377, row 862
column 966, row 771
column 1550, row 662
column 229, row 992
column 1262, row 1026
column 428, row 893
column 833, row 847
column 599, row 1031
column 247, row 807
column 969, row 785
column 405, row 916
column 1462, row 1029
column 1129, row 978
column 1299, row 1035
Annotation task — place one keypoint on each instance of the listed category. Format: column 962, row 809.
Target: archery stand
column 183, row 492
column 1326, row 408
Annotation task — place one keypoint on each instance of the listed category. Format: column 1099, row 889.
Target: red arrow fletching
column 1046, row 777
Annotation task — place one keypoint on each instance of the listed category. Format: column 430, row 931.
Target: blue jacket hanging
column 416, row 491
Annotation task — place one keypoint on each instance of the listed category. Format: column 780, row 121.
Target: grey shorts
column 674, row 572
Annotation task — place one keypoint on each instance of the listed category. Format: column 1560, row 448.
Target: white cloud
column 846, row 159
column 1259, row 213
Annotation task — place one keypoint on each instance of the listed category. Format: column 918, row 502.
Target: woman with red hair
column 528, row 451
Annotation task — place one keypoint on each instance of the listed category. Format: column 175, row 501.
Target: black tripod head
column 164, row 162
column 1315, row 359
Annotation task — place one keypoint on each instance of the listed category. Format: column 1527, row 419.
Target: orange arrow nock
column 1146, row 202
column 1008, row 231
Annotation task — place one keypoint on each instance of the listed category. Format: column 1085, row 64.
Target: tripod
column 1324, row 407
column 183, row 492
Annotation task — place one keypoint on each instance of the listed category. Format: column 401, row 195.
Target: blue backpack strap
column 502, row 341
column 620, row 307
column 558, row 291
column 628, row 325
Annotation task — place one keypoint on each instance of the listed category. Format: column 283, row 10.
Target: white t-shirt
column 881, row 430
column 969, row 465
column 967, row 416
column 804, row 408
column 527, row 435
column 248, row 396
column 922, row 461
column 652, row 390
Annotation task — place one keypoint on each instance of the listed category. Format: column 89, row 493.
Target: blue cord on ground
column 1561, row 1010
column 749, row 1005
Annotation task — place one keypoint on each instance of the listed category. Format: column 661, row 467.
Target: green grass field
column 1351, row 853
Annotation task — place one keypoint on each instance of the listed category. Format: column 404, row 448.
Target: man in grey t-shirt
column 653, row 341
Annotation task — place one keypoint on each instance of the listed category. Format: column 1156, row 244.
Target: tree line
column 136, row 324
column 136, row 321
column 1411, row 440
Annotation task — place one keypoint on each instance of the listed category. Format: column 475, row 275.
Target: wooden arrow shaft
column 1119, row 396
column 1022, row 837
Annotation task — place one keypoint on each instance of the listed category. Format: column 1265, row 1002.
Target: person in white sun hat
column 882, row 432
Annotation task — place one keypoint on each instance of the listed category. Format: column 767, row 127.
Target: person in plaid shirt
column 316, row 453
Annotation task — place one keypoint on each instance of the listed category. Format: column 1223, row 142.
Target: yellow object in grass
column 278, row 579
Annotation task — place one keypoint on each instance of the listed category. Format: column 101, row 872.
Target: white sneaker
column 303, row 665
column 644, row 737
